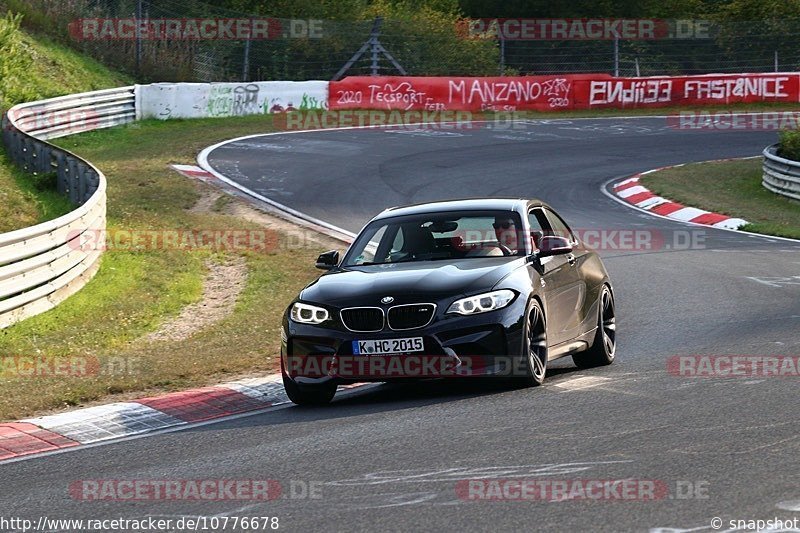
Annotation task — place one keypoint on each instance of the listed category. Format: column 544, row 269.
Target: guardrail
column 42, row 265
column 781, row 176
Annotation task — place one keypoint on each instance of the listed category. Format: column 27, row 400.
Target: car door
column 564, row 290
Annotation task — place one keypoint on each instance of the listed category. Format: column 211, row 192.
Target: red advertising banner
column 556, row 92
column 721, row 89
column 463, row 94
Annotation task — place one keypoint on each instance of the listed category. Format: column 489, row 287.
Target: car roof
column 519, row 205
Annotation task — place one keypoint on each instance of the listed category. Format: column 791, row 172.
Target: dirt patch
column 225, row 281
column 239, row 208
column 221, row 288
column 222, row 285
column 206, row 201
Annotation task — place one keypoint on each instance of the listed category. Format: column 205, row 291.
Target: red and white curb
column 631, row 191
column 125, row 419
column 193, row 171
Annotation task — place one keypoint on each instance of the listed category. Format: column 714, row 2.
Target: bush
column 789, row 145
column 44, row 181
column 425, row 36
column 433, row 42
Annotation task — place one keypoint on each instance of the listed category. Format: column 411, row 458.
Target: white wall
column 199, row 100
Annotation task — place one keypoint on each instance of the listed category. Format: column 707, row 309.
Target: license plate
column 388, row 346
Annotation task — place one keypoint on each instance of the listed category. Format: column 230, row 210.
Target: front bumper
column 487, row 344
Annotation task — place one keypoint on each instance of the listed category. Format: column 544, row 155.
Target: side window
column 560, row 227
column 368, row 255
column 397, row 245
column 538, row 223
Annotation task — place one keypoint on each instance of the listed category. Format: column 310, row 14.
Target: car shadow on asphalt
column 416, row 393
column 384, row 397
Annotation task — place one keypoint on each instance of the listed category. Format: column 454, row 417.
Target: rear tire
column 535, row 347
column 302, row 394
column 604, row 346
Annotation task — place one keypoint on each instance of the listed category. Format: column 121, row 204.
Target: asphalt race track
column 389, row 457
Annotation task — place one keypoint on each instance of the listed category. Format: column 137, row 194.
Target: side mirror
column 552, row 245
column 328, row 260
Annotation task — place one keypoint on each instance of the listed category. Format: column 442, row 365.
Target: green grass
column 42, row 68
column 134, row 292
column 25, row 200
column 59, row 70
column 732, row 188
column 32, row 68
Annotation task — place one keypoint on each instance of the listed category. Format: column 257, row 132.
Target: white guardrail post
column 42, row 265
column 781, row 176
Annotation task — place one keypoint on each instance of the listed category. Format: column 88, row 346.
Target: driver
column 506, row 233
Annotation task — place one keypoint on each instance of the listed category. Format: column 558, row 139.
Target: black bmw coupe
column 464, row 288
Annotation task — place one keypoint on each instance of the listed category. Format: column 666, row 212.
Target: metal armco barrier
column 781, row 176
column 42, row 265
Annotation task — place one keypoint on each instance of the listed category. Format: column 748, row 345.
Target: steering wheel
column 505, row 249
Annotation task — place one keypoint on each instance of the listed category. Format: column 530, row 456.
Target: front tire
column 302, row 394
column 604, row 346
column 535, row 347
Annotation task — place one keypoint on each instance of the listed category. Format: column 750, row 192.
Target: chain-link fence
column 318, row 49
column 730, row 47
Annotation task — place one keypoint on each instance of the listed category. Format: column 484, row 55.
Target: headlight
column 309, row 314
column 482, row 303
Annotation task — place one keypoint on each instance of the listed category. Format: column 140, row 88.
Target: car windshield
column 438, row 236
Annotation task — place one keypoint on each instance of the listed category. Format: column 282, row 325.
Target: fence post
column 373, row 44
column 502, row 54
column 616, row 56
column 138, row 36
column 375, row 68
column 246, row 66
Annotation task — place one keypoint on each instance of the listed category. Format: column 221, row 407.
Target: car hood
column 408, row 282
